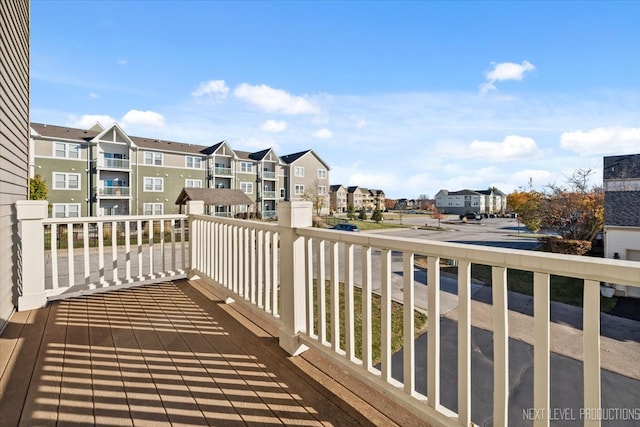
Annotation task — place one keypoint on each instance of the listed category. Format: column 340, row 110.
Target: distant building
column 491, row 201
column 338, row 198
column 306, row 177
column 621, row 176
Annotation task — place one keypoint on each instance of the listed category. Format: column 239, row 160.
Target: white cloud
column 255, row 144
column 122, row 61
column 361, row 123
column 274, row 126
column 505, row 71
column 143, row 118
column 513, row 147
column 604, row 140
column 215, row 88
column 88, row 120
column 275, row 100
column 537, row 177
column 323, row 133
column 94, row 95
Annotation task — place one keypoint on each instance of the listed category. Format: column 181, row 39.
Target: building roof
column 214, row 196
column 290, row 158
column 335, row 187
column 622, row 167
column 81, row 135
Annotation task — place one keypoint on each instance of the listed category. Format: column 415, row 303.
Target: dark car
column 346, row 227
column 471, row 215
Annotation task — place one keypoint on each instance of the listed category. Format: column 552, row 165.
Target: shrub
column 565, row 246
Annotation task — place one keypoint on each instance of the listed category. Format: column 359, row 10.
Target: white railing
column 110, row 163
column 113, row 191
column 268, row 175
column 277, row 269
column 70, row 256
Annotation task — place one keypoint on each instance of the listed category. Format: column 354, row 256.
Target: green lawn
column 397, row 323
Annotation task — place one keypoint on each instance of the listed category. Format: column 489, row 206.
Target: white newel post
column 30, row 214
column 194, row 207
column 292, row 215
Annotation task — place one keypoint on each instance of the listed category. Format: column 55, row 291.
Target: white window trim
column 322, row 189
column 153, row 185
column 66, row 181
column 322, row 174
column 298, row 171
column 186, row 183
column 248, row 165
column 66, row 210
column 295, row 189
column 153, row 210
column 153, row 159
column 66, row 150
column 193, row 160
column 248, row 186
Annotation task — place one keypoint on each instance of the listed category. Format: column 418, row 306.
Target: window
column 151, row 158
column 322, row 173
column 299, row 171
column 299, row 190
column 245, row 167
column 66, row 181
column 66, row 150
column 247, row 187
column 282, row 193
column 193, row 183
column 194, row 162
column 153, row 184
column 322, row 189
column 152, row 208
column 66, row 210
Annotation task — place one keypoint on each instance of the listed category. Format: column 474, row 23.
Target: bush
column 317, row 222
column 565, row 246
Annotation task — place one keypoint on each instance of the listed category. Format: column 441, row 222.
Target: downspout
column 89, row 181
column 137, row 181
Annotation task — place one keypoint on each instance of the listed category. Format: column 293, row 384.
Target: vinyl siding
column 14, row 133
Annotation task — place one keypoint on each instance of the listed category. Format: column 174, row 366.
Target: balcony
column 269, row 194
column 177, row 345
column 113, row 191
column 269, row 175
column 222, row 171
column 110, row 163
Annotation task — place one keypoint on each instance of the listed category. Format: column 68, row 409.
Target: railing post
column 194, row 207
column 292, row 215
column 30, row 214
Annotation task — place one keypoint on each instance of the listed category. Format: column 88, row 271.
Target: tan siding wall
column 14, row 133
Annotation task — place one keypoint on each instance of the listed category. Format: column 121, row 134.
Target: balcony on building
column 115, row 161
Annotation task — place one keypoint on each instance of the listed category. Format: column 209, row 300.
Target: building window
column 322, row 189
column 153, row 184
column 247, row 187
column 66, row 181
column 245, row 167
column 322, row 173
column 66, row 150
column 193, row 183
column 299, row 190
column 282, row 193
column 151, row 158
column 153, row 208
column 66, row 210
column 299, row 171
column 193, row 162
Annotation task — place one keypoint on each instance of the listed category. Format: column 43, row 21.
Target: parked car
column 471, row 215
column 346, row 227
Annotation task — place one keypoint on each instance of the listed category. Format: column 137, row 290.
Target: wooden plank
column 433, row 331
column 464, row 342
column 591, row 350
column 541, row 347
column 408, row 294
column 500, row 346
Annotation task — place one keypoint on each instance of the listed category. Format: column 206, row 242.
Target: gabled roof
column 62, row 132
column 115, row 128
column 334, row 188
column 291, row 158
column 214, row 196
column 259, row 155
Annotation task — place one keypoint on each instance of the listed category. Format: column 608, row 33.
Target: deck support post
column 292, row 215
column 31, row 292
column 195, row 207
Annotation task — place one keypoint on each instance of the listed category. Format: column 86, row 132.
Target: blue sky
column 410, row 97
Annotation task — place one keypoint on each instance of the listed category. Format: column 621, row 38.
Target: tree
column 390, row 204
column 362, row 215
column 317, row 195
column 526, row 204
column 38, row 188
column 422, row 201
column 376, row 215
column 351, row 212
column 436, row 214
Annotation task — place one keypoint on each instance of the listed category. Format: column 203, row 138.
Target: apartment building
column 306, row 177
column 104, row 171
column 369, row 199
column 492, row 201
column 338, row 198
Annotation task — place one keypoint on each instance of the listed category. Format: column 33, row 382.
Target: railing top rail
column 597, row 269
column 112, row 218
column 239, row 222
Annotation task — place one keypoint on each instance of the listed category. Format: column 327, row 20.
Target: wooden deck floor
column 168, row 354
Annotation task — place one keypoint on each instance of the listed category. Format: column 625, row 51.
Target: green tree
column 351, row 212
column 38, row 188
column 376, row 215
column 362, row 216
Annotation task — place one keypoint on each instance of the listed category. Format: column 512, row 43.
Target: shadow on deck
column 170, row 354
